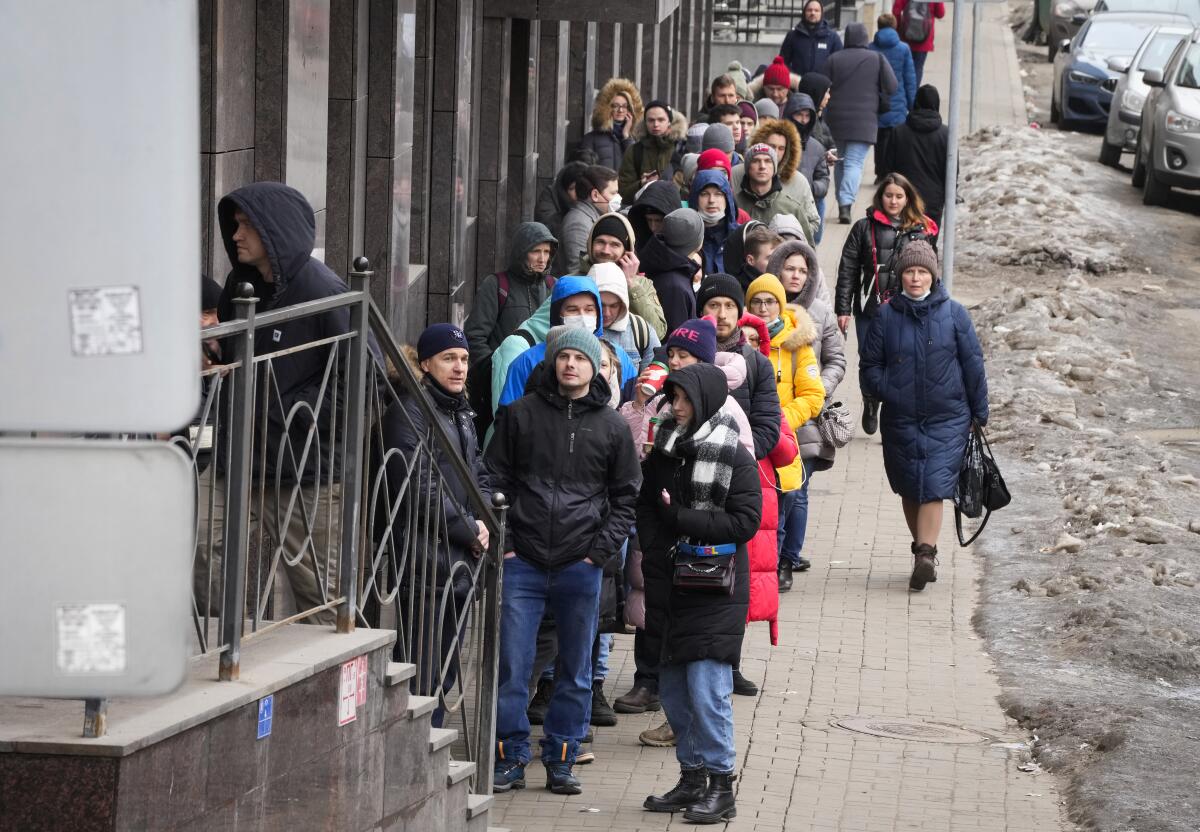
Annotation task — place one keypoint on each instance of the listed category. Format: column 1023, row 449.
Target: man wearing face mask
column 596, row 194
column 575, row 303
column 712, row 197
column 612, row 241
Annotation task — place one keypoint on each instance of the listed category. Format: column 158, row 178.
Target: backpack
column 916, row 23
column 479, row 376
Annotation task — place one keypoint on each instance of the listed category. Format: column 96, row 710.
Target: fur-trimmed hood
column 602, row 115
column 804, row 331
column 791, row 157
column 676, row 133
column 785, row 250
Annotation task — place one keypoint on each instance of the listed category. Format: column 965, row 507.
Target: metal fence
column 305, row 513
column 763, row 22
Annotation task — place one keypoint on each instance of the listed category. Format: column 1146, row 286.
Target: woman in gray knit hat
column 922, row 360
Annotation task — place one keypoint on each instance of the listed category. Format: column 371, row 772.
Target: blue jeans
column 697, row 698
column 821, row 214
column 793, row 519
column 573, row 594
column 848, row 171
column 919, row 64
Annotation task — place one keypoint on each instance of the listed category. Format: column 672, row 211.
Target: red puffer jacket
column 763, row 547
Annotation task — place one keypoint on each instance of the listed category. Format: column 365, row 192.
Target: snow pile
column 1029, row 201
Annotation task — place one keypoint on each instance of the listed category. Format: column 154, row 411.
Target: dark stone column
column 608, row 51
column 523, row 103
column 581, row 83
column 650, row 82
column 666, row 55
column 496, row 56
column 291, row 128
column 346, row 173
column 552, row 99
column 388, row 198
column 683, row 54
column 227, row 49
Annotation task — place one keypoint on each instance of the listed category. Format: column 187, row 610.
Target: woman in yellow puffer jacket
column 801, row 395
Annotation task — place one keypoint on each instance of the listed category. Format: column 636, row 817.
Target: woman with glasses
column 617, row 109
column 801, row 396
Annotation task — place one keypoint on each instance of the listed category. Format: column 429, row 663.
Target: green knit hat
column 572, row 338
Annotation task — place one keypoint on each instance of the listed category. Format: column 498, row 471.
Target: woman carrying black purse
column 699, row 505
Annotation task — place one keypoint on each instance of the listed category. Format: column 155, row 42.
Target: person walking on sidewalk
column 866, row 273
column 808, row 47
column 887, row 43
column 922, row 359
column 859, row 78
column 700, row 490
column 567, row 463
column 915, row 21
column 918, row 151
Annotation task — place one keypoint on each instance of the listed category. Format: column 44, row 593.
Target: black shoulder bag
column 980, row 489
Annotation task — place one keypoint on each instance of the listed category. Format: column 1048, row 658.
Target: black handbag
column 980, row 489
column 705, row 568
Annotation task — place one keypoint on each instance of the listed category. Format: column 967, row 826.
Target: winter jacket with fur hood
column 489, row 323
column 657, row 153
column 695, row 626
column 602, row 139
column 762, row 207
column 795, row 185
column 923, row 361
column 858, row 76
column 570, row 473
column 642, row 298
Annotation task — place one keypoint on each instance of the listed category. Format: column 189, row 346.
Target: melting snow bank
column 1030, row 201
column 1091, row 599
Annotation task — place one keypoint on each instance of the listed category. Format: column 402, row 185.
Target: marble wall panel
column 552, row 97
column 631, row 54
column 228, row 171
column 307, row 119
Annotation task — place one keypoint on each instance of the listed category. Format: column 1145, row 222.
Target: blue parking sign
column 266, row 706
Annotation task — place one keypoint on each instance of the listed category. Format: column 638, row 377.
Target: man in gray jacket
column 859, row 76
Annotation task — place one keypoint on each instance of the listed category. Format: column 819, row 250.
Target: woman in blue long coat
column 922, row 360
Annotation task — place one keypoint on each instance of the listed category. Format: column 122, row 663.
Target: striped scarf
column 714, row 446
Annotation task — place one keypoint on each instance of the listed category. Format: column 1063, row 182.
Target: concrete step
column 440, row 738
column 397, row 672
column 478, row 804
column 459, row 770
column 419, row 706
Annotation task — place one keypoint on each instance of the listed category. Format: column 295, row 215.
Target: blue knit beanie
column 698, row 336
column 439, row 338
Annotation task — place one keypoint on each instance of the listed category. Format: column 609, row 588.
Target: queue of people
column 645, row 377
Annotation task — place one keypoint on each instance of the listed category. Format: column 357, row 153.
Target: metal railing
column 296, row 479
column 764, row 22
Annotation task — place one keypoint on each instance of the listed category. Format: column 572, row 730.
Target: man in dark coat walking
column 567, row 463
column 808, row 46
column 918, row 151
column 858, row 78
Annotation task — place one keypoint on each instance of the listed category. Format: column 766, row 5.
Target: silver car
column 1168, row 148
column 1129, row 92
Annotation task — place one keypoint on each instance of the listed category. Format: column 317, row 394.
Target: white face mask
column 712, row 217
column 614, row 204
column 585, row 322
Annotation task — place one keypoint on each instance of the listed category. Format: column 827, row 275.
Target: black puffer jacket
column 759, row 399
column 285, row 222
column 570, row 472
column 671, row 273
column 696, row 626
column 405, row 428
column 918, row 150
column 872, row 241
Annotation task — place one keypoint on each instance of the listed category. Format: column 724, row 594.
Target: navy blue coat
column 806, row 51
column 922, row 359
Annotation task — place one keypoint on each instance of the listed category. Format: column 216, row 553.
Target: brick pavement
column 855, row 641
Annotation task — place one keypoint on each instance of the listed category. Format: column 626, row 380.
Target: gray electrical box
column 96, row 542
column 99, row 219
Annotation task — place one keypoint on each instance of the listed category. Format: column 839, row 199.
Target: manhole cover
column 907, row 729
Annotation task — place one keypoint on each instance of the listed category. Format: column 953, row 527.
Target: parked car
column 1129, row 93
column 1066, row 16
column 1168, row 149
column 1189, row 8
column 1079, row 97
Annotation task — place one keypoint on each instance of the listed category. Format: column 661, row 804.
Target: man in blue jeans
column 566, row 461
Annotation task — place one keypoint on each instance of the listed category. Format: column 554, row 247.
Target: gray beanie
column 695, row 137
column 786, row 225
column 719, row 136
column 763, row 149
column 766, row 108
column 572, row 338
column 683, row 231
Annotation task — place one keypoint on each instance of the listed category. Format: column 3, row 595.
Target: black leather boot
column 717, row 805
column 785, row 575
column 924, row 571
column 692, row 786
column 870, row 416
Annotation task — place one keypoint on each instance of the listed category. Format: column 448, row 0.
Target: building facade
column 422, row 130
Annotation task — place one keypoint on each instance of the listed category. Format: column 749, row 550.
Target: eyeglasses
column 618, row 108
column 764, row 303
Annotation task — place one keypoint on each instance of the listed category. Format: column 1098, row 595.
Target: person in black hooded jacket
column 441, row 360
column 269, row 229
column 650, row 209
column 700, row 487
column 567, row 463
column 918, row 151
